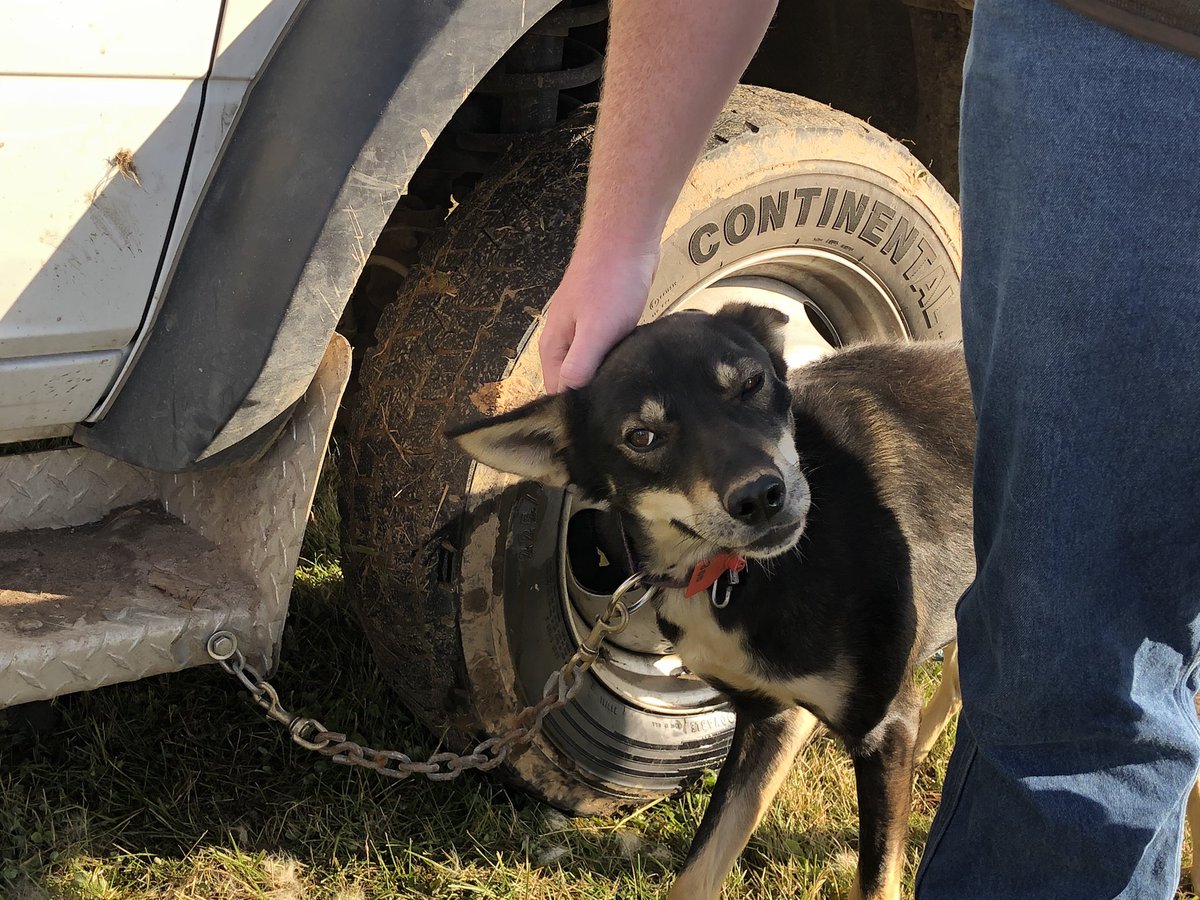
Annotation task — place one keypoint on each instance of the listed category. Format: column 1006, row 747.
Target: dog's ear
column 527, row 441
column 764, row 323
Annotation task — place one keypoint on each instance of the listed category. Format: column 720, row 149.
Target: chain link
column 560, row 689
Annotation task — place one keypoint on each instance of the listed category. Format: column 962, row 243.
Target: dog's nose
column 756, row 501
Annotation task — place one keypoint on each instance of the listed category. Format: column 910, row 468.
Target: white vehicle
column 207, row 206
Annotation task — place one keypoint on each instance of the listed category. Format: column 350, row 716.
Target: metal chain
column 561, row 688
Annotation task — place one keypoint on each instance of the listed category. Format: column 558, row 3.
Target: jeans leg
column 1081, row 304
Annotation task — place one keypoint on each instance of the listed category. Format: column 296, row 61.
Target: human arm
column 671, row 66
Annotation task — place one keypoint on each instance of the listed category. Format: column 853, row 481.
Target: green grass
column 172, row 787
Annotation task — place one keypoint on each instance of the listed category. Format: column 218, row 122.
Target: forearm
column 671, row 66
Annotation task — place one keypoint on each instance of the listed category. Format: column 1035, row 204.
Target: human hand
column 598, row 302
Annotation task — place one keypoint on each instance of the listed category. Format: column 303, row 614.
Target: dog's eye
column 752, row 384
column 640, row 438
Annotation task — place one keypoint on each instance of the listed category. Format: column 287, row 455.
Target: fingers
column 553, row 346
column 598, row 302
column 588, row 349
column 580, row 365
column 572, row 348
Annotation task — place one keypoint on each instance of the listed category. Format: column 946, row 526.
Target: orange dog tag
column 706, row 573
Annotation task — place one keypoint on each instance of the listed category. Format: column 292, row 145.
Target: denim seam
column 1184, row 697
column 941, row 823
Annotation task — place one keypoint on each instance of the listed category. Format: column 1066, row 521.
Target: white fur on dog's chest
column 712, row 652
column 705, row 647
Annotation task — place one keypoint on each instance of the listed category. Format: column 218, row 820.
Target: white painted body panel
column 249, row 32
column 42, row 391
column 80, row 242
column 250, row 29
column 123, row 38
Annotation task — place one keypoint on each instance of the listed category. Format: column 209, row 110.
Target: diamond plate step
column 110, row 573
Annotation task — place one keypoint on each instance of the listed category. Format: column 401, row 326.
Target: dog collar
column 705, row 573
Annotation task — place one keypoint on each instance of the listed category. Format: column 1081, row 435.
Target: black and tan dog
column 845, row 495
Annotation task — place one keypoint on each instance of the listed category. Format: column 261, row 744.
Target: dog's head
column 686, row 429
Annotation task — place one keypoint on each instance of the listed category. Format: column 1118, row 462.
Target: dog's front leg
column 883, row 773
column 760, row 756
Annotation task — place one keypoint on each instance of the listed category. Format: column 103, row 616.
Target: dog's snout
column 757, row 500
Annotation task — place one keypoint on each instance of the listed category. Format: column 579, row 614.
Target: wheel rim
column 830, row 300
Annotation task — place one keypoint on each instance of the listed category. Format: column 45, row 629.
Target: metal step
column 110, row 573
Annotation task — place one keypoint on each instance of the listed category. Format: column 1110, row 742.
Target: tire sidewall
column 906, row 236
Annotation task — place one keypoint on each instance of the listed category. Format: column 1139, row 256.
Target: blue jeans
column 1079, row 639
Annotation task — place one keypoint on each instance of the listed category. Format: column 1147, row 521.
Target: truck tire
column 473, row 586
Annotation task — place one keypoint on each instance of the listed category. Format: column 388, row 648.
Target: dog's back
column 904, row 409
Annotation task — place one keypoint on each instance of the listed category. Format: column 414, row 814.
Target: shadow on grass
column 168, row 765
